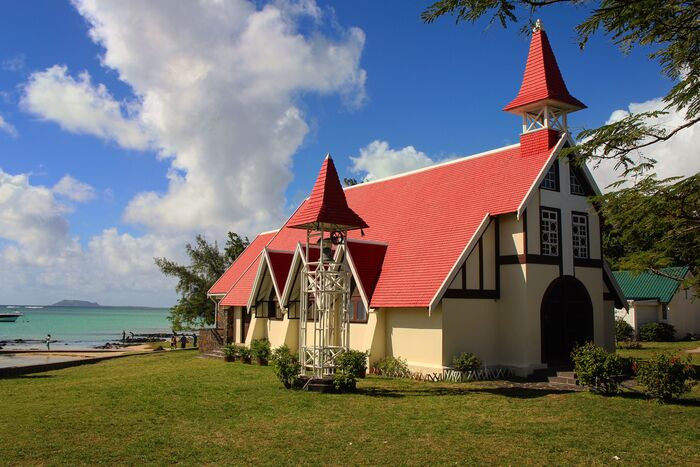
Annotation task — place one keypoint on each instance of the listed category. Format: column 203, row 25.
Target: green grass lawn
column 652, row 348
column 174, row 407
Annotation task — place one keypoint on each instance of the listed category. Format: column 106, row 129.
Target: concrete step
column 213, row 354
column 565, row 378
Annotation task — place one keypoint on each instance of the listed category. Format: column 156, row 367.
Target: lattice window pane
column 293, row 311
column 551, row 179
column 579, row 229
column 575, row 184
column 549, row 221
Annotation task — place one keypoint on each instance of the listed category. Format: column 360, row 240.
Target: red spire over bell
column 542, row 82
column 326, row 207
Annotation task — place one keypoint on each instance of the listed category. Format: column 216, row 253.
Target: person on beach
column 173, row 342
column 183, row 341
column 48, row 342
column 194, row 339
column 123, row 336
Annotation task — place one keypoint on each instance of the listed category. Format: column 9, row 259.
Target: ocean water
column 80, row 327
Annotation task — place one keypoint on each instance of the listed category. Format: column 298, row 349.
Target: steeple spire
column 327, row 209
column 543, row 100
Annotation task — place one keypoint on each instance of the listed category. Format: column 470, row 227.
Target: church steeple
column 543, row 100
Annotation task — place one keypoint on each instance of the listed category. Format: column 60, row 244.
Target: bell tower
column 325, row 284
column 543, row 100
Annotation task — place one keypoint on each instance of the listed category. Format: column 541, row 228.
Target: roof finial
column 538, row 26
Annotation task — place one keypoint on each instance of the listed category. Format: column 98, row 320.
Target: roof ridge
column 435, row 166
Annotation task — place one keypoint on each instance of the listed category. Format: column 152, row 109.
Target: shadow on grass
column 511, row 392
column 28, row 376
column 637, row 395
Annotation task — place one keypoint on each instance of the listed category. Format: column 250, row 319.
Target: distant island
column 77, row 303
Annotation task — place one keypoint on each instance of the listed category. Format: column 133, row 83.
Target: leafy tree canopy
column 207, row 264
column 654, row 225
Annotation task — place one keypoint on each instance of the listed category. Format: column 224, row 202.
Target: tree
column 350, row 181
column 207, row 264
column 654, row 223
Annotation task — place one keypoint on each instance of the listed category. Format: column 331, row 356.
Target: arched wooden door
column 566, row 319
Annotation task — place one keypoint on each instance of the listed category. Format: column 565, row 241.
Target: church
column 497, row 253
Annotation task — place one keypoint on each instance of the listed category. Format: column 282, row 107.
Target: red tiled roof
column 542, row 79
column 367, row 259
column 428, row 217
column 240, row 292
column 280, row 262
column 234, row 272
column 326, row 205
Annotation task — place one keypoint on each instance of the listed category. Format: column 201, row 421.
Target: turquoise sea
column 80, row 327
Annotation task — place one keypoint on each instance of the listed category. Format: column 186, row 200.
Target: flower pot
column 261, row 361
column 229, row 358
column 244, row 359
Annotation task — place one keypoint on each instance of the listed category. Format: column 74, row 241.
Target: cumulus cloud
column 378, row 160
column 73, row 189
column 34, row 221
column 7, row 127
column 81, row 107
column 215, row 86
column 675, row 157
column 38, row 249
column 215, row 90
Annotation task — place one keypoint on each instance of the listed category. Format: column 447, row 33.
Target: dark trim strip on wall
column 532, row 259
column 497, row 232
column 588, row 263
column 456, row 293
column 481, row 262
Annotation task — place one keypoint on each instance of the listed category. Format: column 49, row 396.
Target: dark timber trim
column 464, row 275
column 456, row 293
column 497, row 233
column 588, row 263
column 531, row 259
column 481, row 263
column 525, row 229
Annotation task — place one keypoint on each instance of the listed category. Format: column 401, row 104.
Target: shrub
column 349, row 366
column 393, row 366
column 623, row 330
column 665, row 377
column 260, row 349
column 286, row 366
column 466, row 362
column 243, row 353
column 230, row 352
column 631, row 345
column 657, row 332
column 597, row 368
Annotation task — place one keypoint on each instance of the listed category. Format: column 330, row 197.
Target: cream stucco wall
column 684, row 313
column 470, row 325
column 415, row 335
column 511, row 233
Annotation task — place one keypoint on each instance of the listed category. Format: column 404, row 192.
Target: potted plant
column 243, row 353
column 230, row 352
column 260, row 351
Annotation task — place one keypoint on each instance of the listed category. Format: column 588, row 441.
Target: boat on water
column 9, row 317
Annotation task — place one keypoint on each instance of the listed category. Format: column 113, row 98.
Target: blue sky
column 429, row 91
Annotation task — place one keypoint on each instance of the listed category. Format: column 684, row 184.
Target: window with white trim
column 579, row 234
column 549, row 229
column 576, row 187
column 551, row 179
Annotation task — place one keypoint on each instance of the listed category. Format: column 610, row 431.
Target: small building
column 660, row 298
column 497, row 253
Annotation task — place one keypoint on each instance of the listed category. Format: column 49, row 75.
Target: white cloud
column 73, row 189
column 7, row 127
column 13, row 64
column 216, row 85
column 676, row 157
column 80, row 107
column 378, row 160
column 39, row 252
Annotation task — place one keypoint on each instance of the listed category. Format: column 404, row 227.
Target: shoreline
column 136, row 342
